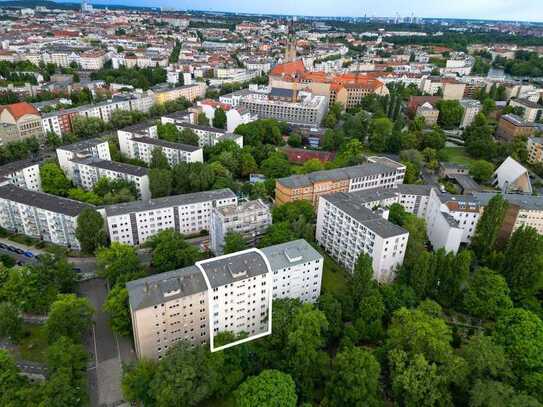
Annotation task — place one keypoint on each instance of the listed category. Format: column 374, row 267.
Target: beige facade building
column 20, row 121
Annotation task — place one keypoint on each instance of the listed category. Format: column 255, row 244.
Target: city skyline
column 509, row 10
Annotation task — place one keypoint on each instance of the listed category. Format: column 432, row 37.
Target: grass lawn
column 33, row 346
column 456, row 155
column 335, row 278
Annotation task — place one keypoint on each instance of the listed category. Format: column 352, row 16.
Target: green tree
column 434, row 139
column 234, row 242
column 488, row 393
column 487, row 294
column 69, row 316
column 294, row 140
column 90, row 230
column 307, row 362
column 117, row 308
column 11, row 323
column 187, row 136
column 53, row 180
column 488, row 227
column 159, row 160
column 137, row 379
column 520, row 332
column 202, row 119
column 270, row 388
column 523, row 265
column 87, row 127
column 380, row 131
column 118, row 263
column 171, row 251
column 331, row 307
column 355, row 379
column 481, row 170
column 485, row 358
column 275, row 166
column 160, row 182
column 219, row 119
column 186, row 376
column 450, row 113
column 248, row 165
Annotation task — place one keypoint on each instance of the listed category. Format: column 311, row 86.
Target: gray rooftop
column 166, row 144
column 528, row 202
column 200, row 127
column 358, row 171
column 113, row 166
column 42, row 200
column 290, row 254
column 373, row 221
column 156, row 289
column 234, row 267
column 414, row 189
column 15, row 166
column 174, row 200
column 82, row 145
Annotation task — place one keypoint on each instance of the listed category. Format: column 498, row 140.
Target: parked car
column 28, row 254
column 11, row 248
column 20, row 251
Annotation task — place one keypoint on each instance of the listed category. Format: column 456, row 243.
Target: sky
column 525, row 10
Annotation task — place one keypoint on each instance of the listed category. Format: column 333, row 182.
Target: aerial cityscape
column 271, row 204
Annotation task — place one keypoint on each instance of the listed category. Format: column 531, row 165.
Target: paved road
column 108, row 350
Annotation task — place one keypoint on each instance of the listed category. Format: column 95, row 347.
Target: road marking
column 95, row 349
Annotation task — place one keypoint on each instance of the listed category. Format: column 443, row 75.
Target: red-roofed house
column 234, row 116
column 23, row 117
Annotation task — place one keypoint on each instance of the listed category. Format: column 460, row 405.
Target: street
column 107, row 350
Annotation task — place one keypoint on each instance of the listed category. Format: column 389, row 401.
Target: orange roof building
column 23, row 121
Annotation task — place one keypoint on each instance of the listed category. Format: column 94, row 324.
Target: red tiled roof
column 290, row 68
column 18, row 110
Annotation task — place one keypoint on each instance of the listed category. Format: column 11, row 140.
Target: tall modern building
column 346, row 228
column 230, row 293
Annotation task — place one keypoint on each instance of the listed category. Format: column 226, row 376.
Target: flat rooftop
column 115, row 166
column 42, row 200
column 174, row 200
column 166, row 144
column 290, row 254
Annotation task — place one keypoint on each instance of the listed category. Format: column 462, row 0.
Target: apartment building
column 95, row 148
column 535, row 149
column 378, row 172
column 134, row 222
column 414, row 198
column 512, row 126
column 207, row 136
column 23, row 119
column 296, row 270
column 231, row 293
column 346, row 228
column 251, row 219
column 451, row 220
column 471, row 109
column 93, row 60
column 234, row 116
column 23, row 174
column 40, row 215
column 228, row 293
column 522, row 210
column 139, row 141
column 301, row 108
column 87, row 171
column 429, row 113
column 531, row 110
column 163, row 93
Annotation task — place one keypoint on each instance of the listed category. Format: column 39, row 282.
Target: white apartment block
column 303, row 108
column 40, row 215
column 451, row 220
column 207, row 136
column 471, row 109
column 95, row 148
column 139, row 141
column 346, row 228
column 134, row 222
column 231, row 293
column 87, row 171
column 23, row 174
column 297, row 270
column 250, row 219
